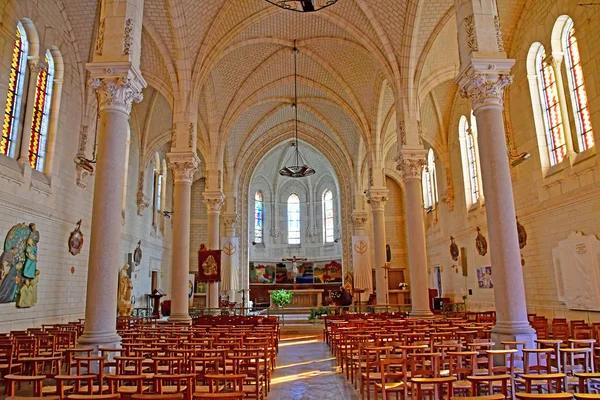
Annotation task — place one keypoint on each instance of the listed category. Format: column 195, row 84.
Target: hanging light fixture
column 296, row 167
column 303, row 5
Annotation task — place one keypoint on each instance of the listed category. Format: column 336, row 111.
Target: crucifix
column 294, row 261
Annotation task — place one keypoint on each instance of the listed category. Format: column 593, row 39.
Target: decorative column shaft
column 214, row 201
column 230, row 256
column 483, row 82
column 410, row 165
column 115, row 94
column 184, row 165
column 361, row 255
column 377, row 200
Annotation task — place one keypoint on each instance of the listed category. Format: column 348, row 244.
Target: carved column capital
column 358, row 219
column 484, row 81
column 214, row 201
column 184, row 165
column 377, row 199
column 117, row 85
column 410, row 163
column 230, row 222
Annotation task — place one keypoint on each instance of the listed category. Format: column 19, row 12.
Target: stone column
column 184, row 165
column 485, row 88
column 361, row 255
column 115, row 93
column 410, row 165
column 485, row 72
column 230, row 255
column 214, row 201
column 377, row 200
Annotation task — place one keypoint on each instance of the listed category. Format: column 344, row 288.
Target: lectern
column 156, row 295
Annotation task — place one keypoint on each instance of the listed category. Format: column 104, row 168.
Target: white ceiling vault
column 356, row 59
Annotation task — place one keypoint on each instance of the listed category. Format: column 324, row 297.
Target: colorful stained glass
column 293, row 213
column 328, row 217
column 551, row 107
column 258, row 217
column 13, row 97
column 582, row 116
column 41, row 114
column 472, row 160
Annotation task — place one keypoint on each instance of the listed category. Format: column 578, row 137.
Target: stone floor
column 306, row 370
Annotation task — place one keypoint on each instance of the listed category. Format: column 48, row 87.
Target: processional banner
column 209, row 266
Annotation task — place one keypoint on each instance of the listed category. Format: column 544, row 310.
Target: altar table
column 305, row 297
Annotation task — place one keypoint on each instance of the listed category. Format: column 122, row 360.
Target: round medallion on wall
column 481, row 243
column 76, row 240
column 72, row 270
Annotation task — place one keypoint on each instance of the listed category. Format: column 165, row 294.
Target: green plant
column 318, row 312
column 281, row 297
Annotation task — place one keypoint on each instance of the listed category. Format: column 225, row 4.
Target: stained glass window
column 293, row 212
column 581, row 112
column 472, row 160
column 328, row 225
column 159, row 192
column 258, row 217
column 15, row 94
column 551, row 109
column 41, row 115
column 429, row 182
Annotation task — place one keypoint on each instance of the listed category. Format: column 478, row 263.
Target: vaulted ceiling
column 355, row 59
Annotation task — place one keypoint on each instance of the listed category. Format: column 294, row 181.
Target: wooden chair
column 174, row 384
column 461, row 365
column 217, row 383
column 136, row 386
column 65, row 383
column 371, row 356
column 248, row 362
column 219, row 396
column 8, row 361
column 582, row 396
column 437, row 391
column 174, row 396
column 488, row 397
column 491, row 381
column 584, row 378
column 35, row 380
column 545, row 396
column 393, row 378
column 548, row 380
column 114, row 396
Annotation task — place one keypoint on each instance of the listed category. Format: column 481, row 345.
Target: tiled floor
column 306, row 370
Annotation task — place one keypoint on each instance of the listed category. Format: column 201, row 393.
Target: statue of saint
column 124, row 300
column 30, row 258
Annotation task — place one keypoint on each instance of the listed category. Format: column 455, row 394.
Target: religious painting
column 209, row 266
column 76, row 240
column 305, row 273
column 282, row 274
column 191, row 280
column 262, row 273
column 484, row 277
column 522, row 234
column 18, row 266
column 330, row 272
column 453, row 249
column 137, row 254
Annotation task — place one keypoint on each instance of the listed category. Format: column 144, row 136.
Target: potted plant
column 281, row 297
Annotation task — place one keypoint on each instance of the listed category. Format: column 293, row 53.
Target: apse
column 293, row 217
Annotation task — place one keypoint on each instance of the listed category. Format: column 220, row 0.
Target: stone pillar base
column 176, row 317
column 99, row 339
column 421, row 314
column 526, row 334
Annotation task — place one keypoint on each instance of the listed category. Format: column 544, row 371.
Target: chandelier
column 303, row 5
column 295, row 166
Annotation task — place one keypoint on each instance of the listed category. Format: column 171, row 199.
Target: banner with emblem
column 361, row 260
column 230, row 264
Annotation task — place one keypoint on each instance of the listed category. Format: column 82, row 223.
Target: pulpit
column 156, row 296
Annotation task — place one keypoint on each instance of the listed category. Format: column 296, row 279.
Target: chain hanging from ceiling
column 296, row 166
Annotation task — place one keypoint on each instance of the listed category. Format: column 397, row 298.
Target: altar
column 305, row 297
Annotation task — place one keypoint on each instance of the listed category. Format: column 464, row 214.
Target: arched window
column 14, row 96
column 328, row 224
column 293, row 214
column 41, row 114
column 429, row 182
column 470, row 156
column 258, row 217
column 157, row 189
column 581, row 111
column 550, row 102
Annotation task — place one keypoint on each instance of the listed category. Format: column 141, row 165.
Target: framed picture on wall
column 484, row 277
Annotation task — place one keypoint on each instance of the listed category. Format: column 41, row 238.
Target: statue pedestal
column 125, row 308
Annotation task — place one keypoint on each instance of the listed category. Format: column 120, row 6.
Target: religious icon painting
column 137, row 254
column 484, row 278
column 481, row 243
column 209, row 266
column 453, row 249
column 76, row 240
